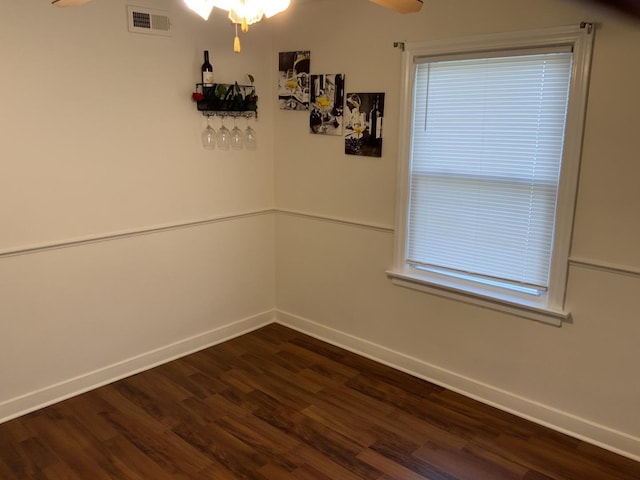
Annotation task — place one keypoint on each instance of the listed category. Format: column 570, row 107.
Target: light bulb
column 201, row 7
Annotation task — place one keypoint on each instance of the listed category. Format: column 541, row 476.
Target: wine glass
column 237, row 137
column 359, row 125
column 353, row 107
column 209, row 136
column 325, row 105
column 354, row 102
column 291, row 82
column 223, row 138
column 250, row 137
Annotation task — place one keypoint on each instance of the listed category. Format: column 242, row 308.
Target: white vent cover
column 146, row 20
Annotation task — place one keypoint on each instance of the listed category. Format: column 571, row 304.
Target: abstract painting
column 293, row 85
column 327, row 104
column 363, row 124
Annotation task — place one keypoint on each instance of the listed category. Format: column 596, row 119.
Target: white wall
column 99, row 137
column 333, row 252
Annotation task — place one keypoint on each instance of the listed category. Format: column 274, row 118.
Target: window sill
column 504, row 304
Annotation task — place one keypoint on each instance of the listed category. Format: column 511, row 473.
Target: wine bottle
column 207, row 71
column 339, row 96
column 375, row 120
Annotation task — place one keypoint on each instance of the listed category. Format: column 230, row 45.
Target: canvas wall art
column 327, row 104
column 363, row 124
column 293, row 86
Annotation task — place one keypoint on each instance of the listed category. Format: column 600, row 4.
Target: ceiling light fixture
column 241, row 12
column 201, row 7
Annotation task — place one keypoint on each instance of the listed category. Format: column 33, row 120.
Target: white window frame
column 548, row 307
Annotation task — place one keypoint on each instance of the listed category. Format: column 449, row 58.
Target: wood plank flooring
column 276, row 404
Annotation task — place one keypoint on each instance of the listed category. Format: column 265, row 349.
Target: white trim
column 591, row 432
column 580, row 38
column 107, row 237
column 481, row 299
column 548, row 416
column 51, row 394
column 605, row 266
column 77, row 242
column 31, row 249
column 573, row 261
column 340, row 220
column 551, row 36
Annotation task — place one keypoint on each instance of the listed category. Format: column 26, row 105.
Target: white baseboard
column 583, row 429
column 51, row 394
column 600, row 435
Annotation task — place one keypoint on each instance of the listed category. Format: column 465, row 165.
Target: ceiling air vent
column 151, row 22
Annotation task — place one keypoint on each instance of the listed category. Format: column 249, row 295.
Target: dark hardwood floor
column 276, row 404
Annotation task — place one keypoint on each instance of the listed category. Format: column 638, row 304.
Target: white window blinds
column 486, row 151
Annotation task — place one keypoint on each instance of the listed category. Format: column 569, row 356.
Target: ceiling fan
column 68, row 3
column 402, row 6
column 631, row 7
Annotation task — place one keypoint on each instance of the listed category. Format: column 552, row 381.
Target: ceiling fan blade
column 401, row 6
column 69, row 3
column 631, row 7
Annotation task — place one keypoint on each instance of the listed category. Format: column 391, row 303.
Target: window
column 490, row 147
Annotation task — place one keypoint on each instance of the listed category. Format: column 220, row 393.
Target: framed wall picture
column 327, row 104
column 293, row 85
column 363, row 124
